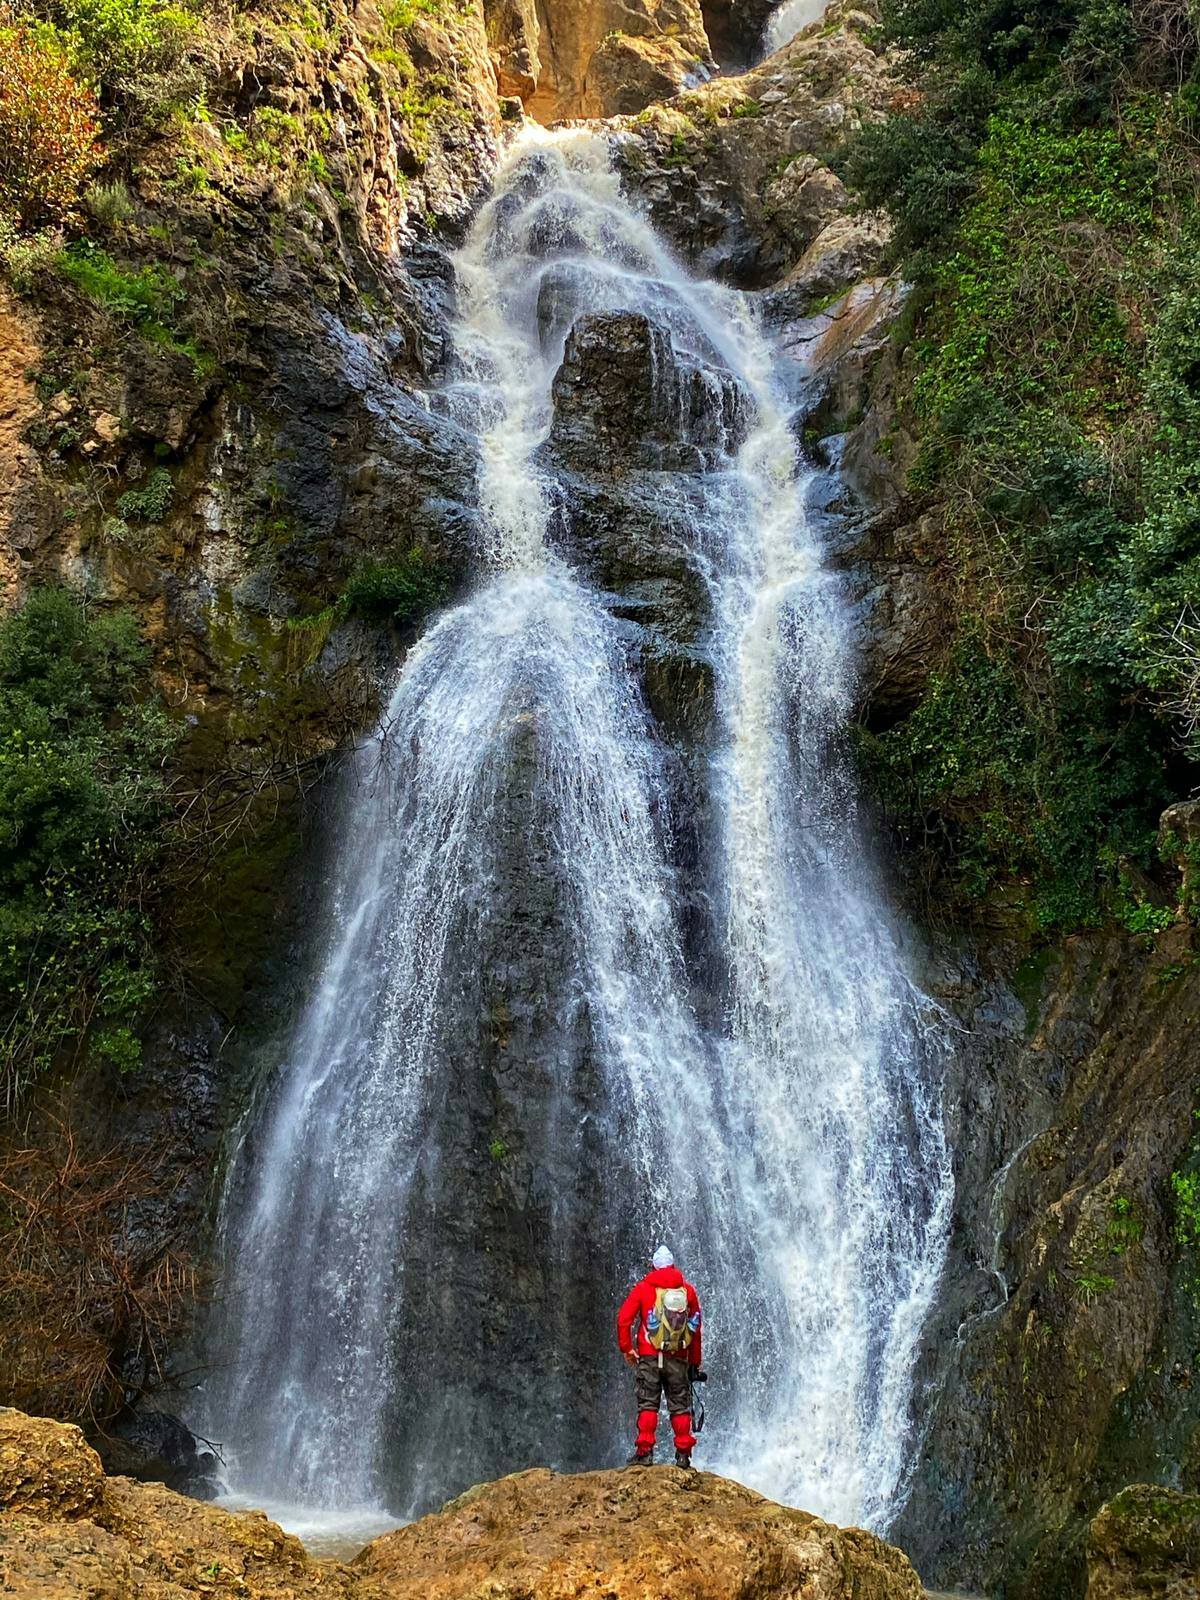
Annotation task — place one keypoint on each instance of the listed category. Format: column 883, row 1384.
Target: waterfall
column 787, row 19
column 400, row 1316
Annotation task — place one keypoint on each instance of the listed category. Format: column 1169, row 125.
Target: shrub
column 122, row 43
column 152, row 501
column 48, row 131
column 399, row 590
column 146, row 296
column 83, row 824
column 91, row 1303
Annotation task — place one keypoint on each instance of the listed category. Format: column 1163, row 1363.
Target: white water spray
column 793, row 1151
column 787, row 20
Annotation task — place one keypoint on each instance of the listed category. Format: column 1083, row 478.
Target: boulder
column 1145, row 1542
column 628, row 1535
column 625, row 396
column 628, row 72
column 159, row 1448
column 67, row 1530
column 47, row 1469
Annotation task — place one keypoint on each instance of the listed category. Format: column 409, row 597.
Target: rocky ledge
column 68, row 1530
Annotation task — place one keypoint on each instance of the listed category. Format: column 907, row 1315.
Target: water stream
column 506, row 937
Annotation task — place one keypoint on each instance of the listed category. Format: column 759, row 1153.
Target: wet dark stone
column 157, row 1447
column 626, row 397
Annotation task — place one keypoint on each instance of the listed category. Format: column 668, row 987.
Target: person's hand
column 699, row 1375
column 631, row 1357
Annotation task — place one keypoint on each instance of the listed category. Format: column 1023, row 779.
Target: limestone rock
column 1145, row 1542
column 660, row 1531
column 736, row 172
column 513, row 36
column 596, row 57
column 629, row 71
column 47, row 1468
column 67, row 1531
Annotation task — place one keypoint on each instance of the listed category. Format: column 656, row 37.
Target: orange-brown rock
column 630, row 1536
column 68, row 1531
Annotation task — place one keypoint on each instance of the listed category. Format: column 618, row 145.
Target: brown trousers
column 673, row 1379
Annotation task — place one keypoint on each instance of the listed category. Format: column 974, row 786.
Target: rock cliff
column 284, row 418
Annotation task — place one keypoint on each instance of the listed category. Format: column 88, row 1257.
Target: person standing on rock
column 665, row 1354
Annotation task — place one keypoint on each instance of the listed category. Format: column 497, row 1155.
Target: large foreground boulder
column 627, row 1535
column 67, row 1530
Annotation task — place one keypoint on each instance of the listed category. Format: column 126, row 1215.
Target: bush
column 48, row 132
column 152, row 501
column 123, row 44
column 398, row 590
column 1044, row 192
column 84, row 820
column 91, row 1303
column 146, row 296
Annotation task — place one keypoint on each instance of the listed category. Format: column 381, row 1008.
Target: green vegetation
column 147, row 297
column 132, row 50
column 1042, row 174
column 152, row 501
column 396, row 591
column 83, row 824
column 49, row 124
column 1185, row 1193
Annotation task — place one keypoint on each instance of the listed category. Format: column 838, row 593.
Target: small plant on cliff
column 150, row 502
column 49, row 124
column 397, row 591
column 83, row 821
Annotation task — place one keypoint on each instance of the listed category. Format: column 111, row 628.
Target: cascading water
column 509, row 893
column 786, row 21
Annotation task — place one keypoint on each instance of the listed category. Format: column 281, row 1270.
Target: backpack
column 668, row 1326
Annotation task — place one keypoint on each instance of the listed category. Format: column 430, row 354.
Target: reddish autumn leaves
column 49, row 126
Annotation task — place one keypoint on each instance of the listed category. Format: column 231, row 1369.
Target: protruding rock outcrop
column 736, row 171
column 626, row 397
column 596, row 57
column 67, row 1530
column 1145, row 1542
column 626, row 1535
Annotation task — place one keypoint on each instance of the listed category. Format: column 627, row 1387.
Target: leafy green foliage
column 398, row 590
column 146, row 296
column 130, row 48
column 83, row 817
column 1043, row 187
column 152, row 501
column 48, row 132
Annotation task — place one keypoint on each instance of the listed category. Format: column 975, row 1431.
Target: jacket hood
column 665, row 1278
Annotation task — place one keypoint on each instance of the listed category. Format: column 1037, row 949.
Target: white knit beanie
column 662, row 1257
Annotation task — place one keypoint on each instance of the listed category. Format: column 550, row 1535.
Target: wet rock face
column 1061, row 1357
column 158, row 1448
column 626, row 398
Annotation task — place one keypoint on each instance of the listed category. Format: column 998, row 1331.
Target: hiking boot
column 683, row 1458
column 641, row 1458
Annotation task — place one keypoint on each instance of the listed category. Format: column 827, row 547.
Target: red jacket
column 640, row 1303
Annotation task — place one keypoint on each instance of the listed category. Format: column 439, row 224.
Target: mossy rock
column 1145, row 1541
